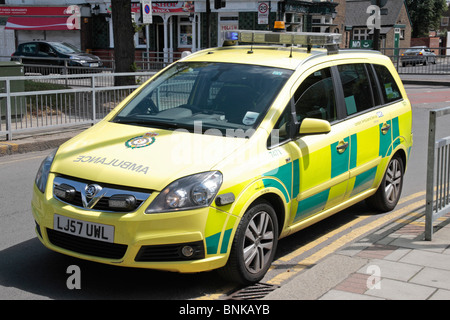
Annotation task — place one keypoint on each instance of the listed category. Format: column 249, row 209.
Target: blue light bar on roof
column 289, row 38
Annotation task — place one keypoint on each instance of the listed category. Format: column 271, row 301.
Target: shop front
column 43, row 23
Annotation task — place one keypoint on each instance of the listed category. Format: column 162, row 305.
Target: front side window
column 65, row 48
column 315, row 98
column 216, row 95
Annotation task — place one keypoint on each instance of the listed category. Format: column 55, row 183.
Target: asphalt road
column 30, row 271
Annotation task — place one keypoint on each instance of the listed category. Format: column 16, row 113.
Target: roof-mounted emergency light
column 309, row 39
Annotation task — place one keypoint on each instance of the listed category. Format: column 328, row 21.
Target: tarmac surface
column 391, row 263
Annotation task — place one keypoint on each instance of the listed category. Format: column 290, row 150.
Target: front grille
column 78, row 187
column 86, row 246
column 170, row 252
column 102, row 204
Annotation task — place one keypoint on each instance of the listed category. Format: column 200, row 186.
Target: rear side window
column 389, row 88
column 357, row 87
column 30, row 48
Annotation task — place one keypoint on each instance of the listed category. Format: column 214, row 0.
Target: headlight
column 77, row 59
column 190, row 192
column 44, row 170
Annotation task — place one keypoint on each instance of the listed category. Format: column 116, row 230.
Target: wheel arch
column 277, row 203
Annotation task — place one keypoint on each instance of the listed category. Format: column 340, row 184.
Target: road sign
column 147, row 17
column 263, row 12
column 361, row 44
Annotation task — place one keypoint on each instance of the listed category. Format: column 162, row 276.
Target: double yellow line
column 342, row 241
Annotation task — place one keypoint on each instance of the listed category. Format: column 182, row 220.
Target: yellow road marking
column 4, row 146
column 339, row 243
column 320, row 240
column 19, row 160
column 331, row 234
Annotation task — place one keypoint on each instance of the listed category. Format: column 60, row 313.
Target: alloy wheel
column 258, row 242
column 393, row 183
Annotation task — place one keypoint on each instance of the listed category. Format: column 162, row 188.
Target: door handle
column 385, row 128
column 342, row 146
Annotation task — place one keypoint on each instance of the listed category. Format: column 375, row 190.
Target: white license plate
column 93, row 65
column 85, row 229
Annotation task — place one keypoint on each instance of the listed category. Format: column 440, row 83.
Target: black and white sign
column 85, row 229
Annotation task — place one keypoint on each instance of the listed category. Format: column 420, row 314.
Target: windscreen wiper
column 153, row 123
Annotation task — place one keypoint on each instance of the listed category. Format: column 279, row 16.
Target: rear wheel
column 390, row 189
column 254, row 245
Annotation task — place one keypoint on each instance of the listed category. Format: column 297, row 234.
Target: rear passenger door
column 370, row 125
column 30, row 50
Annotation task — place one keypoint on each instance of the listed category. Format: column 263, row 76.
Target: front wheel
column 390, row 189
column 254, row 245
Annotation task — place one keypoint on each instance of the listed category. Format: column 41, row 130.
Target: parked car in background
column 418, row 55
column 54, row 54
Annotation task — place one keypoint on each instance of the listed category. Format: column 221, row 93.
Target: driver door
column 320, row 161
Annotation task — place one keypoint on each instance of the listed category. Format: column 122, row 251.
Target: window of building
column 360, row 34
column 184, row 32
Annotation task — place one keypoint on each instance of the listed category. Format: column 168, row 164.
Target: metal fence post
column 94, row 105
column 430, row 177
column 437, row 196
column 8, row 111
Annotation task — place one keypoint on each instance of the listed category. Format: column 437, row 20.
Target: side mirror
column 314, row 126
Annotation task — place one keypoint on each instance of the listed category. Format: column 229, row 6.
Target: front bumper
column 154, row 241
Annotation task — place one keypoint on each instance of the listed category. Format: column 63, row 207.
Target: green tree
column 123, row 40
column 425, row 15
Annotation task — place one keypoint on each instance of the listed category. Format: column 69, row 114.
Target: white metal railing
column 439, row 64
column 73, row 100
column 438, row 174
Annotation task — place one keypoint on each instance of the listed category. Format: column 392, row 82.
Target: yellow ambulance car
column 219, row 155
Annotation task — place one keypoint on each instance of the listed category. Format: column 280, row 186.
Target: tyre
column 390, row 189
column 254, row 245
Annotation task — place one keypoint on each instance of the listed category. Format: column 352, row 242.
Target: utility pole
column 376, row 31
column 208, row 23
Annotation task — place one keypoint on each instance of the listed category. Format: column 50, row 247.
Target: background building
column 395, row 25
column 178, row 26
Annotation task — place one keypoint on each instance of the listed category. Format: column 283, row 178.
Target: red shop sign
column 34, row 11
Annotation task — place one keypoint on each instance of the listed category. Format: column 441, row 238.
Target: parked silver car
column 417, row 55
